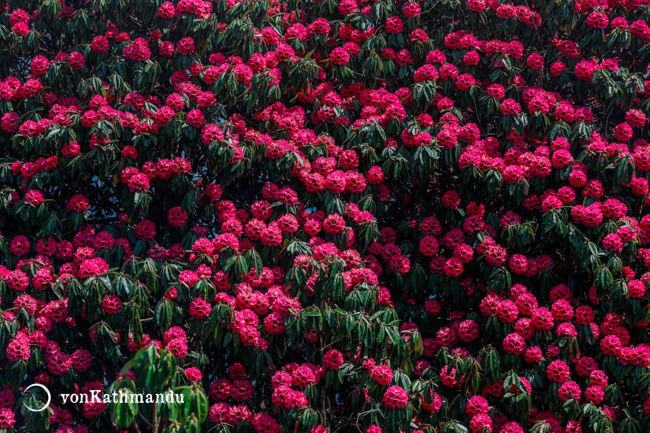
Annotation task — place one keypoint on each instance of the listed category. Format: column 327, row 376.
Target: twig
column 344, row 423
column 360, row 414
column 146, row 421
column 478, row 118
column 607, row 122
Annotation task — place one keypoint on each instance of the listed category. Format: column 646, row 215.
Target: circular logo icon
column 47, row 392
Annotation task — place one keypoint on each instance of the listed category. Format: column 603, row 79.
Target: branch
column 155, row 418
column 146, row 421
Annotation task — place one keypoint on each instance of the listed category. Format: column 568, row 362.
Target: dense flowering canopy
column 326, row 216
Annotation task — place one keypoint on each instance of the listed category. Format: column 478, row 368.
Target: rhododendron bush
column 325, row 216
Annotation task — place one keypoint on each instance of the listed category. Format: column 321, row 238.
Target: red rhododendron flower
column 333, row 359
column 382, row 375
column 395, row 397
